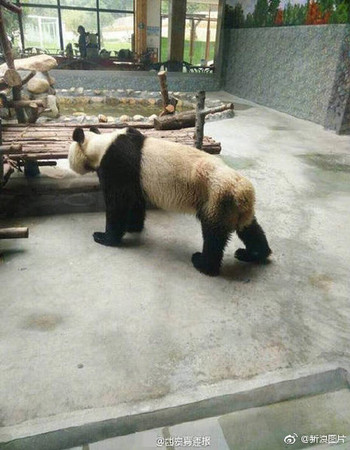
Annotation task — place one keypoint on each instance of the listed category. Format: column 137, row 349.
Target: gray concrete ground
column 270, row 427
column 89, row 332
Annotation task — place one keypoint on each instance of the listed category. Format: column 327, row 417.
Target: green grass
column 115, row 45
column 198, row 54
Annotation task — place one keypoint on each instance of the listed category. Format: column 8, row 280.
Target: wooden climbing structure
column 51, row 141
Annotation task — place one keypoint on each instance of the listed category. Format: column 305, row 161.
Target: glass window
column 41, row 30
column 200, row 32
column 12, row 31
column 123, row 5
column 164, row 39
column 71, row 19
column 39, row 2
column 79, row 3
column 116, row 31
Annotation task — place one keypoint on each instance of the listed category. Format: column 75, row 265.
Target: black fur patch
column 120, row 178
column 78, row 135
column 257, row 247
column 215, row 238
column 94, row 130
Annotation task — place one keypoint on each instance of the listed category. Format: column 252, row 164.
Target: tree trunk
column 200, row 118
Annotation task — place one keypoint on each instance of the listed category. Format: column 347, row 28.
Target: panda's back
column 168, row 174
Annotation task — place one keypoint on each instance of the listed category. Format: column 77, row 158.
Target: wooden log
column 163, row 87
column 7, row 170
column 12, row 78
column 3, row 100
column 218, row 109
column 3, row 85
column 170, row 109
column 169, row 103
column 25, row 103
column 200, row 118
column 186, row 119
column 141, row 125
column 175, row 122
column 41, row 163
column 12, row 148
column 14, row 233
column 10, row 6
column 28, row 77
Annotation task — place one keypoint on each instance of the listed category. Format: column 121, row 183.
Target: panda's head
column 88, row 148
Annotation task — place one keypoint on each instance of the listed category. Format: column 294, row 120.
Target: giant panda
column 133, row 169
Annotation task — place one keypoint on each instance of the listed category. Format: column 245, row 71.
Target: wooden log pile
column 52, row 141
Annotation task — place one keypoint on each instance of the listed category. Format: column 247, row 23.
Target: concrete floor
column 89, row 332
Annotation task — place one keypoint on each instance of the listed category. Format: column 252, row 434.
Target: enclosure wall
column 300, row 70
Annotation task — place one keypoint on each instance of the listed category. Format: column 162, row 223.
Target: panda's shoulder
column 123, row 156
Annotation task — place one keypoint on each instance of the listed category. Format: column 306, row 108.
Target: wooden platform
column 51, row 141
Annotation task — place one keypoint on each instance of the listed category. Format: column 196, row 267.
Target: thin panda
column 133, row 168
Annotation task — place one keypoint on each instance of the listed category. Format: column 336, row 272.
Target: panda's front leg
column 136, row 216
column 117, row 209
column 116, row 220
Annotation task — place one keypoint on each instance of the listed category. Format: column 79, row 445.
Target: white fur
column 91, row 151
column 178, row 177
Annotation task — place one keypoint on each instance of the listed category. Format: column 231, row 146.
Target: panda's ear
column 78, row 135
column 133, row 131
column 95, row 130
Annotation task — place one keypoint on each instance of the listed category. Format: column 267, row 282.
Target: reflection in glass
column 41, row 29
column 116, row 31
column 71, row 19
column 12, row 31
column 200, row 32
column 122, row 5
column 39, row 2
column 79, row 3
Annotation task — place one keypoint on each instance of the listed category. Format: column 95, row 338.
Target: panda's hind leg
column 257, row 247
column 215, row 238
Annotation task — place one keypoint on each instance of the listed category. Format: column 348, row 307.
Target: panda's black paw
column 202, row 265
column 104, row 239
column 242, row 254
column 134, row 228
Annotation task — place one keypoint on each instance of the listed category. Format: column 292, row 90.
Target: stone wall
column 144, row 81
column 292, row 69
column 338, row 112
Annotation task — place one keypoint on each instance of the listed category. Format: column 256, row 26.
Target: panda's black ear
column 133, row 131
column 95, row 130
column 135, row 136
column 78, row 135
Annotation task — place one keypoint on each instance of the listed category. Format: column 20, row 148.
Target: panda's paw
column 202, row 265
column 104, row 239
column 242, row 254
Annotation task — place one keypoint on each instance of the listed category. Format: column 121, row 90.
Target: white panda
column 133, row 168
